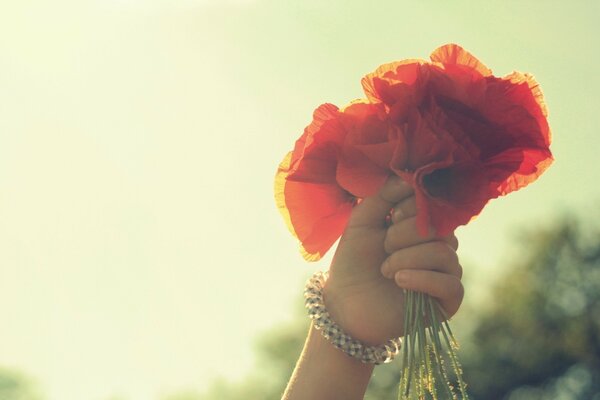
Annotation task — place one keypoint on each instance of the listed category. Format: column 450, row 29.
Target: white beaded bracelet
column 313, row 295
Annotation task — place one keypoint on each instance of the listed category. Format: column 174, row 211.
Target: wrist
column 355, row 305
column 323, row 372
column 333, row 359
column 339, row 300
column 341, row 339
column 334, row 302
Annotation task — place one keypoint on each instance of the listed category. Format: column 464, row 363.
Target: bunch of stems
column 423, row 359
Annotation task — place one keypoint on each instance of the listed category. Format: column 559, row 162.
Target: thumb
column 372, row 211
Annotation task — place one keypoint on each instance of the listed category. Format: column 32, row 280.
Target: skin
column 375, row 260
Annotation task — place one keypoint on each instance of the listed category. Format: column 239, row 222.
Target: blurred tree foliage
column 16, row 386
column 538, row 339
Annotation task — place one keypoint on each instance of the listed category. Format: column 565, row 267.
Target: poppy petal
column 517, row 168
column 451, row 193
column 315, row 213
column 323, row 128
column 399, row 83
column 357, row 174
column 453, row 54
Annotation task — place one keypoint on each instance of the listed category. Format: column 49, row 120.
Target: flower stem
column 426, row 333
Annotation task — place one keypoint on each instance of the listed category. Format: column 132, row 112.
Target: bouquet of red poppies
column 457, row 134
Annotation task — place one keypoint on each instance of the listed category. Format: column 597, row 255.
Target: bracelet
column 313, row 295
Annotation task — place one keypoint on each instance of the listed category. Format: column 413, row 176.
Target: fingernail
column 401, row 277
column 398, row 214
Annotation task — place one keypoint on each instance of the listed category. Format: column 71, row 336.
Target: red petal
column 315, row 153
column 516, row 168
column 316, row 213
column 453, row 54
column 399, row 82
column 324, row 128
column 380, row 154
column 451, row 194
column 319, row 214
column 512, row 105
column 423, row 144
column 358, row 174
column 364, row 160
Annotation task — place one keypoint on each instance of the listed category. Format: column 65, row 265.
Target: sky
column 141, row 252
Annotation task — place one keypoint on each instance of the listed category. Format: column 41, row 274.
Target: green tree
column 540, row 338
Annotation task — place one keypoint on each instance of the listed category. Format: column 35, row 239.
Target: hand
column 374, row 262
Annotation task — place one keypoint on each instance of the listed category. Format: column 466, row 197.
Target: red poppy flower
column 459, row 135
column 471, row 136
column 313, row 181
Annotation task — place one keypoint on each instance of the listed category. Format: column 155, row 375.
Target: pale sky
column 140, row 248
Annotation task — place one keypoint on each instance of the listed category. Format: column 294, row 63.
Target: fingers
column 372, row 211
column 404, row 209
column 446, row 288
column 405, row 234
column 452, row 241
column 423, row 264
column 437, row 255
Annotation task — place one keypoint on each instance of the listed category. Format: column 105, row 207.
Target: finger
column 405, row 234
column 437, row 256
column 452, row 241
column 373, row 210
column 404, row 209
column 408, row 208
column 446, row 288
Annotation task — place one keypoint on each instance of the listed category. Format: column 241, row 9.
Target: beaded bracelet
column 313, row 295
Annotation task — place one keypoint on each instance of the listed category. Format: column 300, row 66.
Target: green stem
column 448, row 388
column 422, row 358
column 405, row 379
column 451, row 343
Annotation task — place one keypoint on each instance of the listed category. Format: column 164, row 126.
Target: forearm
column 326, row 373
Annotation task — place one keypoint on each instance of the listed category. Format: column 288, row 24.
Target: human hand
column 374, row 262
